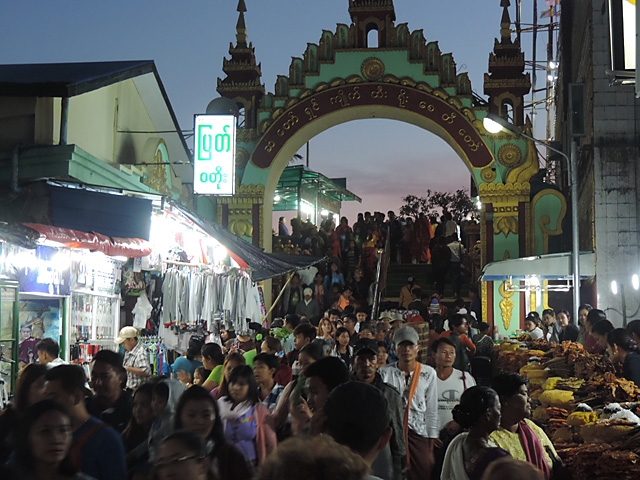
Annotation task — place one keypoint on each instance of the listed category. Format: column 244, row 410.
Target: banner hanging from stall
column 44, row 270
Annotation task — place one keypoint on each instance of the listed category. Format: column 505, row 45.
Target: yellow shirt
column 511, row 442
column 405, row 296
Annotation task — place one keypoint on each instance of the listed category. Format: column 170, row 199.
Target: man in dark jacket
column 365, row 369
column 308, row 307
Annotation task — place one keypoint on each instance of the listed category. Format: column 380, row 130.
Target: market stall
column 588, row 411
column 8, row 338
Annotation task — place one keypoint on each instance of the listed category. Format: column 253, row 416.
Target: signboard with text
column 214, row 154
column 622, row 17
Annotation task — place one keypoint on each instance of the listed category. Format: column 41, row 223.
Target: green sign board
column 214, row 155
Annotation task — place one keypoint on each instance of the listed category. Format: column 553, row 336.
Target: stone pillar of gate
column 242, row 213
column 506, row 233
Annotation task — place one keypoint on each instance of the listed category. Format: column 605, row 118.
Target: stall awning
column 111, row 246
column 262, row 265
column 299, row 183
column 85, row 210
column 553, row 266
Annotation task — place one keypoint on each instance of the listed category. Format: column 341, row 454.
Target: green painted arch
column 405, row 102
column 332, row 70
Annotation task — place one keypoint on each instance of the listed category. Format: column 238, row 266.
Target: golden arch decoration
column 458, row 123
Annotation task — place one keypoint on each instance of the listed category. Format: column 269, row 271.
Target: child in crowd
column 200, row 375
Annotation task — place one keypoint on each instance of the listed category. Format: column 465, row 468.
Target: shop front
column 71, row 295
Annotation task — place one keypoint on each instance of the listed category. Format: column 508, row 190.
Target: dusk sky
column 382, row 160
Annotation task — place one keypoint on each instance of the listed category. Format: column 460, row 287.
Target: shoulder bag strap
column 78, row 445
column 405, row 420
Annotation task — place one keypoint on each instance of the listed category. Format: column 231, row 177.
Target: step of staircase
column 422, row 273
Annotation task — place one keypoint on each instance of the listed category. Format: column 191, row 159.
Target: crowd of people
column 255, row 405
column 348, row 278
column 325, row 392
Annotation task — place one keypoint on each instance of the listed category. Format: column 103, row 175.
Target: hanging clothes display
column 195, row 295
column 160, row 357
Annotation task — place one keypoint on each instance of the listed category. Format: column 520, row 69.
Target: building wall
column 616, row 176
column 97, row 117
column 25, row 121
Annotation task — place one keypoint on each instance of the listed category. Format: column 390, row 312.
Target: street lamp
column 493, row 124
column 615, row 288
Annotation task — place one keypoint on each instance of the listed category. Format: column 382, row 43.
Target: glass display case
column 8, row 339
column 94, row 306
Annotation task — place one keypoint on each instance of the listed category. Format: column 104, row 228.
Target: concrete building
column 608, row 155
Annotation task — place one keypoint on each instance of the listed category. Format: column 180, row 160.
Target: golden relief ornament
column 372, row 68
column 509, row 155
column 241, row 227
column 157, row 172
column 506, row 304
column 505, row 220
column 488, row 174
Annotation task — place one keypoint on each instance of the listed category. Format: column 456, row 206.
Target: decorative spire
column 241, row 27
column 242, row 82
column 506, row 84
column 505, row 24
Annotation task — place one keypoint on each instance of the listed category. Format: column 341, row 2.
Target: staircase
column 397, row 275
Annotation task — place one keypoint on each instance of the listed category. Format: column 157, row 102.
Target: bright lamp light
column 491, row 126
column 614, row 287
column 635, row 281
column 276, row 198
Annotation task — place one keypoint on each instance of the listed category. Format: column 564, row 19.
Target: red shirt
column 283, row 375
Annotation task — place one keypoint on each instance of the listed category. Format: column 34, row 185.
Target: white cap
column 127, row 332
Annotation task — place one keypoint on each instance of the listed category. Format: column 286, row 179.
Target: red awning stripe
column 111, row 246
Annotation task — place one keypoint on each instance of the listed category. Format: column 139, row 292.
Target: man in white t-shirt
column 451, row 383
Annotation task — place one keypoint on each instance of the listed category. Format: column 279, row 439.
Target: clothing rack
column 190, row 297
column 184, row 264
column 159, row 356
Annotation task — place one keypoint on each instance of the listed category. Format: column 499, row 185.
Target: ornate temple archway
column 407, row 79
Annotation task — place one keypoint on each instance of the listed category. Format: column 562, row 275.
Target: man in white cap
column 417, row 383
column 136, row 360
column 308, row 307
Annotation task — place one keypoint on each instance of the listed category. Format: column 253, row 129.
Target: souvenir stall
column 69, row 289
column 199, row 279
column 192, row 286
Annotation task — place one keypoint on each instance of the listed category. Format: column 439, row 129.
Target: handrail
column 381, row 276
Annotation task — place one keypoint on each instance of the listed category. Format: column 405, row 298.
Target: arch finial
column 505, row 23
column 241, row 27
